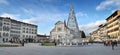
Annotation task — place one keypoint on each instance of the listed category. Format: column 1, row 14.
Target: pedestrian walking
column 22, row 43
column 112, row 43
column 104, row 43
column 115, row 43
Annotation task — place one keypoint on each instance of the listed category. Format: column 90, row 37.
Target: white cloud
column 88, row 28
column 4, row 2
column 32, row 20
column 46, row 17
column 107, row 3
column 29, row 20
column 27, row 10
column 81, row 14
column 12, row 16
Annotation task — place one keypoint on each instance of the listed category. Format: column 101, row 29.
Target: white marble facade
column 67, row 34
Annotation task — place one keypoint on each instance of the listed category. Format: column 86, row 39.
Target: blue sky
column 45, row 13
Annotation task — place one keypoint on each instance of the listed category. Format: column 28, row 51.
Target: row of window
column 116, row 29
column 30, row 32
column 17, row 28
column 114, row 19
column 113, row 25
column 28, row 25
column 6, row 34
column 28, row 36
column 18, row 25
column 114, row 36
column 113, row 15
column 6, row 20
column 30, row 29
column 14, row 31
column 6, row 28
column 16, row 35
column 6, row 23
column 17, row 22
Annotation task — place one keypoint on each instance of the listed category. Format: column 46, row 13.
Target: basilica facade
column 67, row 33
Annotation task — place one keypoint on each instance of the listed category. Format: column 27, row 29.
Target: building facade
column 100, row 34
column 113, row 25
column 15, row 31
column 103, row 32
column 110, row 30
column 67, row 34
column 95, row 36
column 60, row 33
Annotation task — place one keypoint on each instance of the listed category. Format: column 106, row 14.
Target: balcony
column 112, row 19
column 113, row 33
column 113, row 27
column 116, row 21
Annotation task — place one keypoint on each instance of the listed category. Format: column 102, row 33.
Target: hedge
column 48, row 44
column 8, row 45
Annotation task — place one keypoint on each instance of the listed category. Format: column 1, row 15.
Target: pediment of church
column 59, row 22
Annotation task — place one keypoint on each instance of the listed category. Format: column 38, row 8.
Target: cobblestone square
column 34, row 49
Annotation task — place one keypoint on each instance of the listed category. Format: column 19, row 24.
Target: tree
column 83, row 34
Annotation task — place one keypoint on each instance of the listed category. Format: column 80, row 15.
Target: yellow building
column 87, row 39
column 95, row 36
column 103, row 31
column 113, row 25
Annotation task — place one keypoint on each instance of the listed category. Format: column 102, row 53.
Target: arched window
column 3, row 34
column 26, row 36
column 29, row 36
column 3, row 39
column 23, row 36
column 7, row 28
column 6, row 39
column 7, row 34
column 0, row 23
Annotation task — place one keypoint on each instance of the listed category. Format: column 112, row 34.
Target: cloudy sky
column 45, row 13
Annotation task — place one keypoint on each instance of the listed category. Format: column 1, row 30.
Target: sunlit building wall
column 113, row 25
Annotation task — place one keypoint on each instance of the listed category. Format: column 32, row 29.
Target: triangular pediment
column 59, row 22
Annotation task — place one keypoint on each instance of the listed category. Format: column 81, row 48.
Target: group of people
column 111, row 43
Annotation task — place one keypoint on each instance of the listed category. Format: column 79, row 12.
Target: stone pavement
column 34, row 49
column 32, row 45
